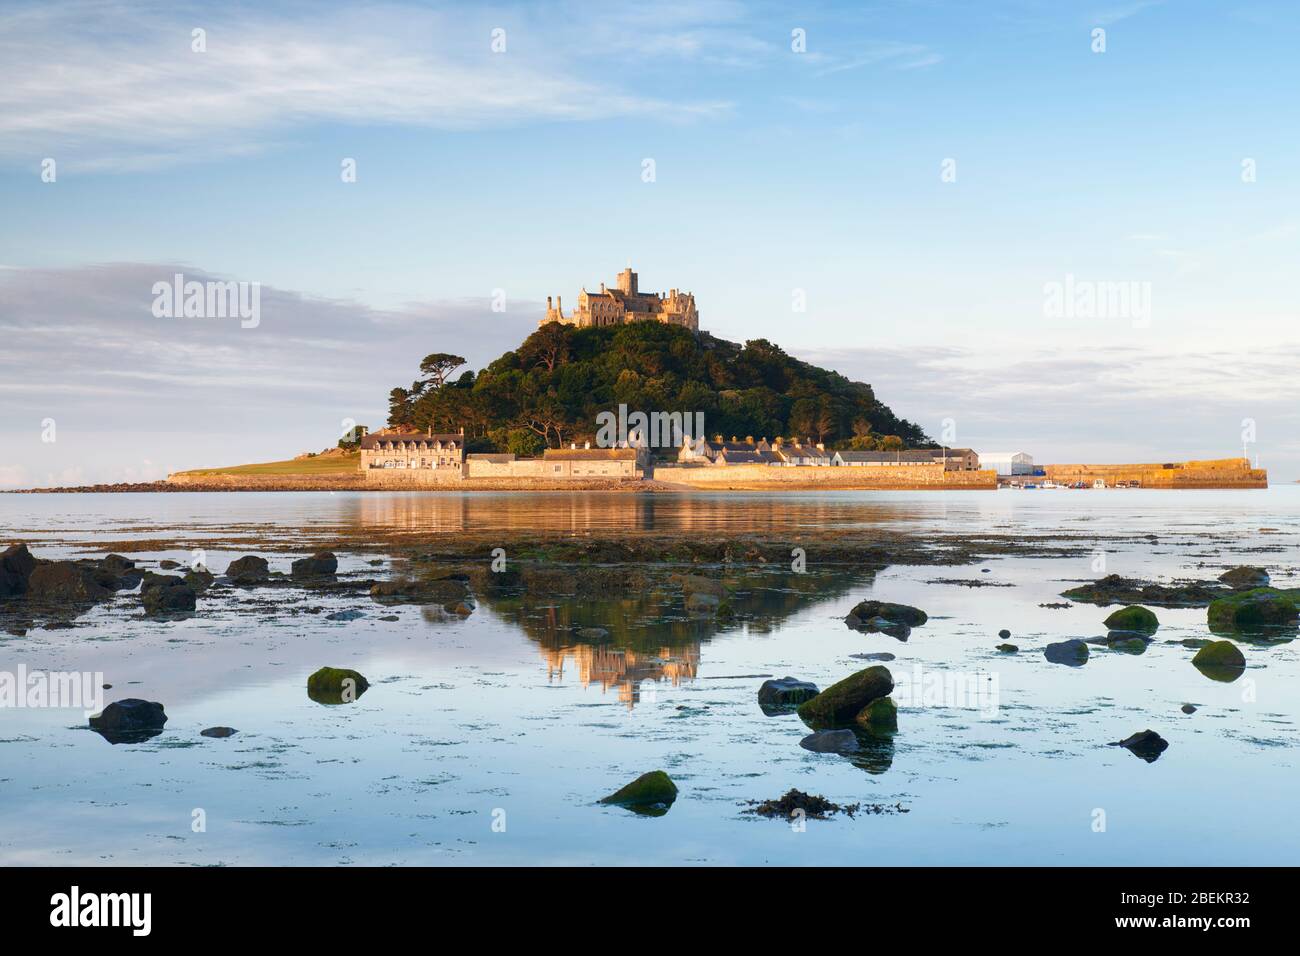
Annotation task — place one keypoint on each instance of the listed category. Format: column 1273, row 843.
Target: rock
column 650, row 794
column 831, row 742
column 200, row 579
column 1008, row 648
column 117, row 563
column 250, row 569
column 447, row 591
column 880, row 656
column 1256, row 610
column 840, row 703
column 322, row 564
column 1114, row 589
column 461, row 609
column 797, row 804
column 1134, row 618
column 865, row 614
column 1195, row 643
column 65, row 582
column 698, row 584
column 166, row 594
column 1072, row 653
column 879, row 716
column 336, row 685
column 698, row 601
column 16, row 567
column 1147, row 744
column 351, row 614
column 592, row 633
column 218, row 732
column 168, row 565
column 1188, row 708
column 130, row 720
column 1004, row 634
column 1245, row 578
column 785, row 694
column 1220, row 654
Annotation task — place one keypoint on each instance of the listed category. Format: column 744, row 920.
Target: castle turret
column 627, row 282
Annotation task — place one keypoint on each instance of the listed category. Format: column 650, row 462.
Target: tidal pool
column 490, row 739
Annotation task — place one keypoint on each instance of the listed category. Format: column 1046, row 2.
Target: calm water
column 508, row 716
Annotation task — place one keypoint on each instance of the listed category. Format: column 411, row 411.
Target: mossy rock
column 868, row 611
column 840, row 703
column 881, row 715
column 1219, row 654
column 650, row 794
column 1245, row 577
column 1256, row 610
column 1008, row 648
column 336, row 685
column 1135, row 618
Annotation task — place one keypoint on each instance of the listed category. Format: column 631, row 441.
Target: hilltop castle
column 626, row 304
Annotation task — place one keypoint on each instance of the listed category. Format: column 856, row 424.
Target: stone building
column 409, row 448
column 626, row 303
column 952, row 459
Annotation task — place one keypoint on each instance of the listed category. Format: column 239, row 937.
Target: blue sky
column 775, row 171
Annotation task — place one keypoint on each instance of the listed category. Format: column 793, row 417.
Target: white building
column 1008, row 462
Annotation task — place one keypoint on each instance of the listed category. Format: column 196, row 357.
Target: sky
column 904, row 191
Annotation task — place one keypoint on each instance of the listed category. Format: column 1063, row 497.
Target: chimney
column 548, row 303
column 821, row 447
column 586, row 446
column 749, row 439
column 717, row 439
column 573, row 446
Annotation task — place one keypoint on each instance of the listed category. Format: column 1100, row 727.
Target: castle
column 626, row 304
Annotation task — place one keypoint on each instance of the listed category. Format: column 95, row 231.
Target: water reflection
column 623, row 642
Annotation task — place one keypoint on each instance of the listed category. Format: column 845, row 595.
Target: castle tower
column 627, row 282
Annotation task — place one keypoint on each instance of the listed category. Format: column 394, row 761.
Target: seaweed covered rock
column 784, row 694
column 840, row 703
column 130, row 720
column 218, row 732
column 1245, row 578
column 1008, row 648
column 868, row 614
column 322, row 564
column 879, row 716
column 66, row 582
column 1220, row 654
column 200, row 579
column 166, row 594
column 1146, row 744
column 250, row 569
column 1256, row 610
column 1134, row 618
column 16, row 567
column 1072, row 653
column 336, row 685
column 449, row 591
column 650, row 794
column 1114, row 589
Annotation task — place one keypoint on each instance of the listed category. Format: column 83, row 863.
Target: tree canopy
column 548, row 392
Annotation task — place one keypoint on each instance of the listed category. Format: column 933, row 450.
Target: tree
column 547, row 347
column 436, row 367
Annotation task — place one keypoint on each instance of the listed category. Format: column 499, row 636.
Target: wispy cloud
column 891, row 55
column 121, row 87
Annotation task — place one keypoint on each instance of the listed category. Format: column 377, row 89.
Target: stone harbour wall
column 881, row 477
column 1213, row 473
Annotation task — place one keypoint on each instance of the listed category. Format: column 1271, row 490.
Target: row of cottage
column 404, row 449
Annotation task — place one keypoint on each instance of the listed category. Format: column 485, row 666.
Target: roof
column 590, row 454
column 750, row 457
column 389, row 437
column 802, row 451
column 498, row 458
column 910, row 454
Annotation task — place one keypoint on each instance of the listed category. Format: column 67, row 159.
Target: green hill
column 549, row 391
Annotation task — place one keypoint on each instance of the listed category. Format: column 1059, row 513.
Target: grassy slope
column 306, row 466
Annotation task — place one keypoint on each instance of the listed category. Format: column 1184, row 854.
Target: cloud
column 133, row 396
column 891, row 54
column 119, row 87
column 1101, row 403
